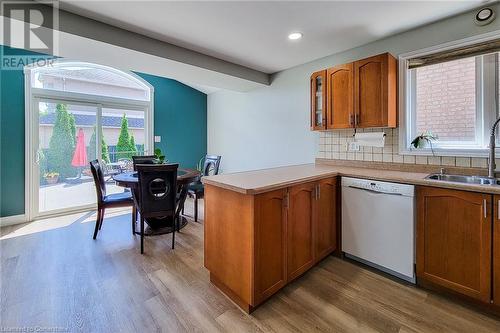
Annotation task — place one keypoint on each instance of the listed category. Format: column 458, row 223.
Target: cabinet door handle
column 355, row 119
column 350, row 119
column 286, row 202
column 484, row 208
column 318, row 191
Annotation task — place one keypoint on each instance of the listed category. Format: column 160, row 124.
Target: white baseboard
column 11, row 220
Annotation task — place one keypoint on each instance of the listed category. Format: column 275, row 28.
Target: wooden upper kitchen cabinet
column 300, row 224
column 375, row 86
column 339, row 98
column 270, row 243
column 454, row 237
column 361, row 94
column 318, row 100
column 326, row 218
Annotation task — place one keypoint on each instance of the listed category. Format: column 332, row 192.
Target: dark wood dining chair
column 156, row 194
column 143, row 159
column 108, row 200
column 196, row 189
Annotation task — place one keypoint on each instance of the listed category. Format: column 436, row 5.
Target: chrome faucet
column 491, row 160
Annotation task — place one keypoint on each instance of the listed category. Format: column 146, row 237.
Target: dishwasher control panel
column 379, row 186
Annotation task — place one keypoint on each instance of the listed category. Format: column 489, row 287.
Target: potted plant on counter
column 51, row 177
column 423, row 140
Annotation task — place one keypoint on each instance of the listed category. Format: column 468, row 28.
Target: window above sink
column 452, row 92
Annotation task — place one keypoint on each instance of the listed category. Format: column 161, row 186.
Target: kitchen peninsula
column 265, row 228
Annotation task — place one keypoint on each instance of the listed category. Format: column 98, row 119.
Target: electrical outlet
column 353, row 146
column 157, row 138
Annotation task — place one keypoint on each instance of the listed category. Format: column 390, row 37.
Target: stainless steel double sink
column 480, row 180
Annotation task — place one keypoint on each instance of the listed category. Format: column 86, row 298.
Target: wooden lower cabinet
column 326, row 216
column 312, row 224
column 454, row 237
column 256, row 244
column 496, row 250
column 270, row 243
column 301, row 215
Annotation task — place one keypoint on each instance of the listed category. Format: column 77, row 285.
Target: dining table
column 158, row 226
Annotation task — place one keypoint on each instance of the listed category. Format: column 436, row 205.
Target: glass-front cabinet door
column 318, row 100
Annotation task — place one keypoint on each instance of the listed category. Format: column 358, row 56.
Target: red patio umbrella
column 80, row 154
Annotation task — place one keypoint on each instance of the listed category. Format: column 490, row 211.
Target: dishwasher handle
column 372, row 191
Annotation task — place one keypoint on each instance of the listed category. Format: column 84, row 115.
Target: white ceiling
column 254, row 33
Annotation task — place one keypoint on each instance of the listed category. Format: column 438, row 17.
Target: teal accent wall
column 180, row 120
column 11, row 140
column 12, row 135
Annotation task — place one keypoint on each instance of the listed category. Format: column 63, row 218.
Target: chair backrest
column 143, row 159
column 100, row 184
column 211, row 165
column 157, row 189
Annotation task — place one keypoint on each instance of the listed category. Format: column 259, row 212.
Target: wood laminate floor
column 54, row 276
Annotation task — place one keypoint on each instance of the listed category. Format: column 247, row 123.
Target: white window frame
column 33, row 95
column 484, row 100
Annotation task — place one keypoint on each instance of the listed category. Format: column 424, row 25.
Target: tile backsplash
column 333, row 145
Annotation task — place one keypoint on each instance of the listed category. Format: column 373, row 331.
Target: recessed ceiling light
column 295, row 35
column 484, row 16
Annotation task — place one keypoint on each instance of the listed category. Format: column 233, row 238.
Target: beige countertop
column 259, row 181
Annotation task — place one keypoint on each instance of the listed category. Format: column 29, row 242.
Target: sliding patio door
column 59, row 177
column 65, row 136
column 76, row 112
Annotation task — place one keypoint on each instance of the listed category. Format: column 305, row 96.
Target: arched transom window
column 86, row 78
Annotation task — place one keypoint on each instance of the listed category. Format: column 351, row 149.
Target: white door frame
column 33, row 96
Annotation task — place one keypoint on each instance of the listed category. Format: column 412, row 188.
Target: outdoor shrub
column 62, row 144
column 133, row 147
column 104, row 151
column 91, row 149
column 125, row 148
column 72, row 126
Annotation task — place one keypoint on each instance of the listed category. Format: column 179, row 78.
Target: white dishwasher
column 378, row 225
